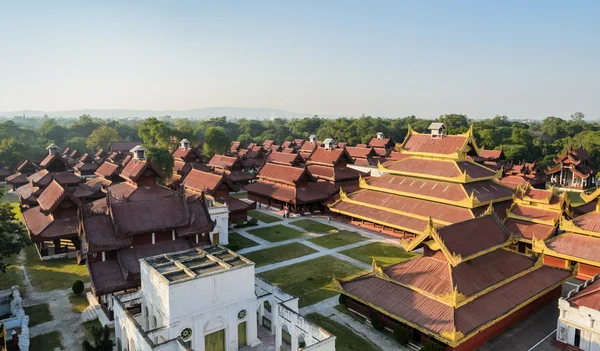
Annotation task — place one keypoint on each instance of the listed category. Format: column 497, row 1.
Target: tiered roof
column 578, row 160
column 579, row 242
column 527, row 172
column 111, row 224
column 289, row 184
column 434, row 178
column 536, row 213
column 289, row 159
column 224, row 162
column 465, row 281
column 206, row 182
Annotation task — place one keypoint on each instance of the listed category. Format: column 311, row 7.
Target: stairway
column 571, row 348
column 412, row 346
column 89, row 314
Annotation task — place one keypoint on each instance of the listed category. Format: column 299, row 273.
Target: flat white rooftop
column 194, row 263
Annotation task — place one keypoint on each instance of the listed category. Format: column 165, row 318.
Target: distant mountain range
column 237, row 112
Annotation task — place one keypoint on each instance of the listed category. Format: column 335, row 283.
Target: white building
column 208, row 299
column 15, row 328
column 579, row 319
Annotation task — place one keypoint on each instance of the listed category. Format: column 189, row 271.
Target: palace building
column 578, row 243
column 466, row 288
column 289, row 187
column 383, row 146
column 331, row 164
column 432, row 177
column 525, row 172
column 185, row 158
column 535, row 214
column 573, row 169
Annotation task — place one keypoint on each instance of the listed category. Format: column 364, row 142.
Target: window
column 155, row 322
column 186, row 333
column 146, row 311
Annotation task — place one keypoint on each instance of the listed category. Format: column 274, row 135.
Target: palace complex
column 573, row 169
column 466, row 287
column 432, row 177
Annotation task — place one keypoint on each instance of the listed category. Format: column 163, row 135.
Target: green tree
column 215, row 141
column 162, row 158
column 77, row 143
column 101, row 137
column 101, row 340
column 153, row 132
column 52, row 131
column 85, row 125
column 11, row 151
column 578, row 116
column 13, row 236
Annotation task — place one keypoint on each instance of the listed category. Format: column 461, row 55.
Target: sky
column 523, row 59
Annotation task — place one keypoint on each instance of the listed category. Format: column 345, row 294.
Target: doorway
column 215, row 341
column 577, row 337
column 242, row 334
column 215, row 238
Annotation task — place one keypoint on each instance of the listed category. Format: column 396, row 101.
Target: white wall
column 585, row 319
column 220, row 215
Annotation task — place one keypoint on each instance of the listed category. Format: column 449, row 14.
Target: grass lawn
column 341, row 238
column 238, row 242
column 311, row 280
column 243, row 195
column 385, row 254
column 279, row 254
column 346, row 339
column 13, row 276
column 38, row 314
column 46, row 342
column 575, row 198
column 53, row 274
column 79, row 303
column 313, row 226
column 263, row 217
column 12, row 199
column 277, row 232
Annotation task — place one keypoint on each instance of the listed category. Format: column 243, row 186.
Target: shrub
column 78, row 287
column 233, row 247
column 376, row 323
column 239, row 223
column 432, row 347
column 343, row 300
column 401, row 335
column 253, row 221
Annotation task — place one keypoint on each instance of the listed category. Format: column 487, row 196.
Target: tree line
column 521, row 141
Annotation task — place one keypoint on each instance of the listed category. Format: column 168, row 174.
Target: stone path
column 321, row 251
column 326, row 307
column 65, row 320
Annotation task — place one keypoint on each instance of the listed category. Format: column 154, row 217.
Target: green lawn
column 575, row 198
column 46, row 342
column 53, row 274
column 38, row 314
column 79, row 303
column 385, row 254
column 346, row 339
column 238, row 242
column 277, row 232
column 13, row 276
column 11, row 198
column 279, row 254
column 313, row 226
column 311, row 280
column 263, row 217
column 243, row 195
column 341, row 238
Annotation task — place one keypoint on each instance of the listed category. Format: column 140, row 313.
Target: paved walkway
column 65, row 320
column 321, row 251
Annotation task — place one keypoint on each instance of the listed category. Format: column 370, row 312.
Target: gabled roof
column 222, row 161
column 283, row 174
column 492, row 154
column 586, row 294
column 381, row 143
column 49, row 159
column 25, row 164
column 360, row 152
column 107, row 170
column 207, row 182
column 450, row 146
column 135, row 168
column 284, row 158
column 43, row 178
column 329, row 157
column 442, row 169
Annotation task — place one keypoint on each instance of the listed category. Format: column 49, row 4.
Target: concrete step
column 412, row 346
column 89, row 314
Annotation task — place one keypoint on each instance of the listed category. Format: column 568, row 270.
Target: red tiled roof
column 135, row 168
column 423, row 166
column 17, row 178
column 126, row 190
column 27, row 192
column 360, row 152
column 43, row 178
column 42, row 227
column 151, row 215
column 129, row 259
column 98, row 181
column 49, row 158
column 100, row 234
column 380, row 216
column 328, row 157
column 280, row 173
column 275, row 191
column 577, row 245
column 487, row 190
column 421, row 187
column 205, row 182
column 425, row 143
column 437, row 317
column 333, row 173
column 288, row 150
column 51, row 196
column 443, row 212
column 284, row 158
column 222, row 161
column 586, row 296
column 234, row 204
column 490, row 154
column 472, row 236
column 535, row 213
column 107, row 277
column 527, row 230
column 589, row 222
column 181, row 153
column 299, row 142
column 380, row 143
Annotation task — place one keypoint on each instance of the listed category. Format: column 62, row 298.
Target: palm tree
column 102, row 341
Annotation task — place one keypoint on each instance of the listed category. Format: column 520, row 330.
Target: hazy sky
column 525, row 59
